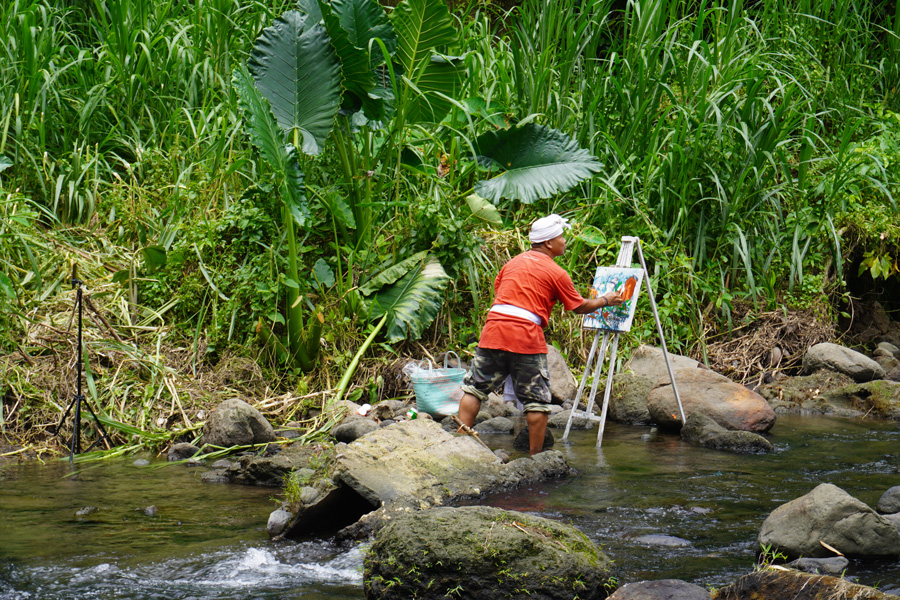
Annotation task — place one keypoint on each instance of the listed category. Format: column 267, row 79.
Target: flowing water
column 660, row 508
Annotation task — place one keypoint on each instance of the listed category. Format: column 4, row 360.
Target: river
column 702, row 510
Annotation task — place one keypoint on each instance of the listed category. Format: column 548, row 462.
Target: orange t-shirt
column 533, row 281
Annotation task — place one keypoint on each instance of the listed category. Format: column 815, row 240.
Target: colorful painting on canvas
column 616, row 319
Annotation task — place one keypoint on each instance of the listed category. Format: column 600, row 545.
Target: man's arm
column 592, row 304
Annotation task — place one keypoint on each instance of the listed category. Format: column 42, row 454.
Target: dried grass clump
column 766, row 342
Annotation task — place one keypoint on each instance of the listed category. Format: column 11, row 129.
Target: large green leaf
column 365, row 20
column 537, row 162
column 297, row 70
column 265, row 135
column 412, row 303
column 421, row 26
column 439, row 81
column 392, row 274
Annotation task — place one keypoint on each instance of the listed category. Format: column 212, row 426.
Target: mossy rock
column 485, row 553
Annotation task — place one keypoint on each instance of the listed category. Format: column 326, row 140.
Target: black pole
column 79, row 397
column 75, row 441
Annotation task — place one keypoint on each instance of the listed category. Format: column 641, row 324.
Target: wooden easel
column 624, row 261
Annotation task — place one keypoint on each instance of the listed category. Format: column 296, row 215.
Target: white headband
column 547, row 228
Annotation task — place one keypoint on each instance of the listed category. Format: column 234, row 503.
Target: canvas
column 616, row 319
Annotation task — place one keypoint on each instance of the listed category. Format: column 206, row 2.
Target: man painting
column 512, row 340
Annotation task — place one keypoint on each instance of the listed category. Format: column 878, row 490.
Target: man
column 512, row 340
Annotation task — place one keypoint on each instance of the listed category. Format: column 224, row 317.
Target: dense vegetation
column 282, row 201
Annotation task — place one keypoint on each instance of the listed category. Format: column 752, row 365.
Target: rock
column 649, row 362
column 86, row 510
column 628, row 401
column 701, row 430
column 843, row 360
column 890, row 348
column 522, row 441
column 495, row 425
column 236, row 423
column 485, row 553
column 560, row 419
column 150, row 511
column 820, row 566
column 181, row 451
column 261, row 470
column 278, row 520
column 353, row 428
column 412, row 465
column 215, row 476
column 308, row 495
column 290, row 431
column 141, row 462
column 774, row 584
column 562, row 383
column 872, row 399
column 805, row 394
column 222, row 463
column 831, row 515
column 729, row 404
column 890, row 501
column 663, row 589
column 496, row 407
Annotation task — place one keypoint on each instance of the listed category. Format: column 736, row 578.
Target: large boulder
column 485, row 553
column 236, row 423
column 562, row 383
column 829, row 514
column 701, row 430
column 411, row 465
column 648, row 362
column 729, row 404
column 843, row 360
column 778, row 584
column 807, row 394
column 662, row 589
column 628, row 400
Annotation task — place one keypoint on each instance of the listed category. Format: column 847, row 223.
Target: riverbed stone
column 662, row 589
column 889, row 503
column 879, row 399
column 278, row 520
column 843, row 360
column 834, row 565
column 236, row 423
column 806, row 394
column 649, row 362
column 778, row 584
column 628, row 400
column 560, row 419
column 702, row 430
column 729, row 404
column 353, row 428
column 486, row 553
column 562, row 383
column 829, row 514
column 181, row 451
column 495, row 425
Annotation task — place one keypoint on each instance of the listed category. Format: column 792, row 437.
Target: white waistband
column 515, row 311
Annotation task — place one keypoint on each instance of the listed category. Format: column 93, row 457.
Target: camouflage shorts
column 530, row 376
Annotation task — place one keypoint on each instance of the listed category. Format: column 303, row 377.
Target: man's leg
column 469, row 406
column 537, row 429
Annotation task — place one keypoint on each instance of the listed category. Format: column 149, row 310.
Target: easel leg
column 659, row 329
column 606, row 392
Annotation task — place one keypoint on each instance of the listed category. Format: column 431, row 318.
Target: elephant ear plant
column 304, row 68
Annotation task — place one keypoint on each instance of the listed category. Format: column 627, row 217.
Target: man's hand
column 607, row 299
